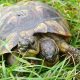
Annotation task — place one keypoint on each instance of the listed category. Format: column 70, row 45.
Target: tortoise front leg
column 49, row 50
column 73, row 52
column 68, row 49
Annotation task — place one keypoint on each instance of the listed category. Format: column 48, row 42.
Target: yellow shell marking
column 57, row 26
column 41, row 28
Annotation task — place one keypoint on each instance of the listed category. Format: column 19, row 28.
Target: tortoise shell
column 29, row 18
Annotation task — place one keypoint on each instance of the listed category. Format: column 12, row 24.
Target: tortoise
column 35, row 28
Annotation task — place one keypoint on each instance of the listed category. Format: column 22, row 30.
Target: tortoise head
column 28, row 44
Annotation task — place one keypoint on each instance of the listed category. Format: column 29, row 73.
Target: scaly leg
column 49, row 50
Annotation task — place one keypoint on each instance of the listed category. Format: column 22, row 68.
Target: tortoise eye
column 33, row 42
column 18, row 15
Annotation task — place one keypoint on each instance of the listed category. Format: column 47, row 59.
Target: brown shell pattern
column 29, row 18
